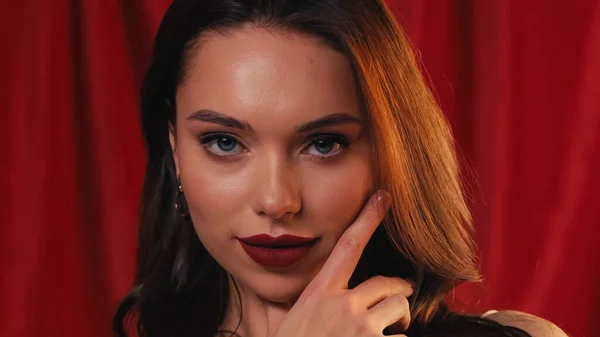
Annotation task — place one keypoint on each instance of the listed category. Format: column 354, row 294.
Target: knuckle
column 349, row 245
column 404, row 284
column 361, row 329
column 401, row 302
column 347, row 305
column 383, row 282
column 398, row 281
column 380, row 279
column 403, row 308
column 365, row 327
column 398, row 285
column 405, row 302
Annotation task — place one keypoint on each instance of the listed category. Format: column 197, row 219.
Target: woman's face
column 269, row 140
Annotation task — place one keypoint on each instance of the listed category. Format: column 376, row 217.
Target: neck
column 259, row 317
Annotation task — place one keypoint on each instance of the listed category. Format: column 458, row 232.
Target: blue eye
column 328, row 145
column 220, row 143
column 226, row 145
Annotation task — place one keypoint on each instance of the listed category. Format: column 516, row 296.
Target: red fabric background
column 519, row 81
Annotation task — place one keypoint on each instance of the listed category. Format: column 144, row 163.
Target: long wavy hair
column 180, row 290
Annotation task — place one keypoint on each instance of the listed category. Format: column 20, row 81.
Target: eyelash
column 343, row 141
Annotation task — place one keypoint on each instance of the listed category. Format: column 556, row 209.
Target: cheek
column 335, row 199
column 210, row 193
column 214, row 194
column 220, row 195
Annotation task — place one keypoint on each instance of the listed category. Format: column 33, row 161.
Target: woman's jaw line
column 252, row 309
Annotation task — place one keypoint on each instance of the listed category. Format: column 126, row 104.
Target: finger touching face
column 269, row 139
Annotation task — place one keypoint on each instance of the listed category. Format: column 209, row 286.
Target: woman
column 270, row 124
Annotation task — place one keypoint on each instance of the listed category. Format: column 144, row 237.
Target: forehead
column 252, row 73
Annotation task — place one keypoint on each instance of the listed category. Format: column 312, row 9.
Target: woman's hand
column 327, row 308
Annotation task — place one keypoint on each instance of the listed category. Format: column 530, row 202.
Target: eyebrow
column 215, row 117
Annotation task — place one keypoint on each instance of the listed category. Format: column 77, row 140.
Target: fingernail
column 382, row 200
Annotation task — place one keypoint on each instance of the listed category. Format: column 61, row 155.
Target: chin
column 278, row 288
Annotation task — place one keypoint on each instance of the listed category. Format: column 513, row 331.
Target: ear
column 173, row 142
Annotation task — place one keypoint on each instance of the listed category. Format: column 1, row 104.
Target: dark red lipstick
column 279, row 251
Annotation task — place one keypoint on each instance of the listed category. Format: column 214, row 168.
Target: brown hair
column 429, row 221
column 180, row 290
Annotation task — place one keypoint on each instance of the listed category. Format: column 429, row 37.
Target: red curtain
column 519, row 81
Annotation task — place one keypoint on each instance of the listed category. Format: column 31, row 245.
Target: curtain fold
column 518, row 80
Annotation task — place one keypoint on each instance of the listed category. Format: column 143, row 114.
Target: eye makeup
column 223, row 145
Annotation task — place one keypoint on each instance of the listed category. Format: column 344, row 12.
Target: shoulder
column 535, row 326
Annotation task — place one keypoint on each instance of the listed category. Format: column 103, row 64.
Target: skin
column 273, row 181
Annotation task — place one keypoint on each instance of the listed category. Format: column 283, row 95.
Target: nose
column 277, row 193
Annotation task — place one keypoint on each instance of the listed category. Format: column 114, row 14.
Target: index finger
column 340, row 265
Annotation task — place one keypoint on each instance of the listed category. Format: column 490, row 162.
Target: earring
column 180, row 204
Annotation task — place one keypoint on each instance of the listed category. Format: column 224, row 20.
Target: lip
column 276, row 252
